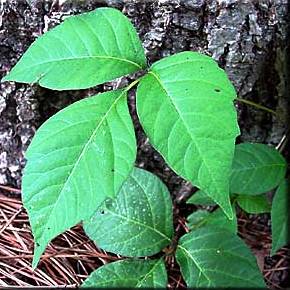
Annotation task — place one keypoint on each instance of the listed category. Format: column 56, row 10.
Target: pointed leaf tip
column 5, row 79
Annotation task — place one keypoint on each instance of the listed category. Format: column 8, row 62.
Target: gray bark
column 247, row 38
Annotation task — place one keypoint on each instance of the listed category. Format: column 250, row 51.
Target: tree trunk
column 247, row 38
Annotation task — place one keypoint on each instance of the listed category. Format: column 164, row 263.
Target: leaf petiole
column 258, row 106
column 131, row 85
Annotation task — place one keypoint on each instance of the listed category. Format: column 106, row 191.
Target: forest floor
column 71, row 257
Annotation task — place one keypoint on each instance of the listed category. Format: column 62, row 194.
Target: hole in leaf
column 217, row 90
column 37, row 244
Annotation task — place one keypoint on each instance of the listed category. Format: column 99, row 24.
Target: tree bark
column 247, row 38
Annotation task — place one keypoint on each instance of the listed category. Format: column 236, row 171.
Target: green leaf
column 280, row 217
column 129, row 274
column 185, row 105
column 213, row 257
column 257, row 168
column 83, row 51
column 217, row 218
column 138, row 222
column 201, row 198
column 77, row 158
column 254, row 204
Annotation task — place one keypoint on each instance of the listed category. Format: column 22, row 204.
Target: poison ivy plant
column 80, row 163
column 280, row 217
column 204, row 254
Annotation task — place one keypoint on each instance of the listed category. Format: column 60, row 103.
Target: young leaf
column 185, row 105
column 217, row 218
column 129, row 274
column 77, row 158
column 280, row 217
column 213, row 257
column 201, row 198
column 257, row 168
column 83, row 51
column 254, row 204
column 138, row 222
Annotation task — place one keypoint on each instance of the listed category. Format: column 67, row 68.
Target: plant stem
column 130, row 86
column 258, row 106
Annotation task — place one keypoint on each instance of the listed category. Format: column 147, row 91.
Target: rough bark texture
column 248, row 38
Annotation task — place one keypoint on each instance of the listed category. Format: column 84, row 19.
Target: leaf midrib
column 211, row 270
column 195, row 262
column 76, row 59
column 140, row 224
column 147, row 274
column 81, row 155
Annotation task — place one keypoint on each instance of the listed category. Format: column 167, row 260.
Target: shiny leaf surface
column 185, row 105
